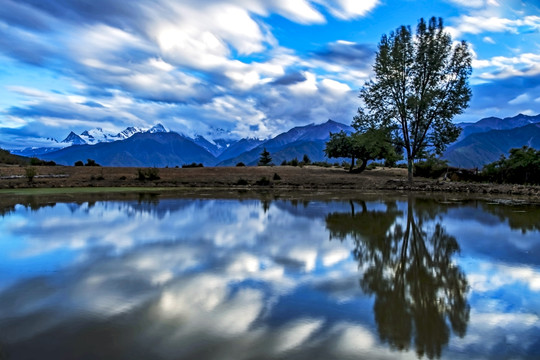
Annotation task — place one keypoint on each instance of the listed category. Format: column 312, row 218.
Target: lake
column 361, row 277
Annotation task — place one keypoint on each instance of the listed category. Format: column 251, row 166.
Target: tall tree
column 420, row 83
column 265, row 159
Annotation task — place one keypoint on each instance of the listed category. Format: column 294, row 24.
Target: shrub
column 521, row 167
column 242, row 182
column 148, row 174
column 432, row 167
column 38, row 162
column 324, row 164
column 264, row 181
column 30, row 172
column 306, row 160
column 276, row 177
column 90, row 162
column 240, row 164
column 192, row 165
column 79, row 163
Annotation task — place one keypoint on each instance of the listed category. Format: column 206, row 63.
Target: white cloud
column 348, row 9
column 521, row 99
column 474, row 3
column 478, row 24
column 527, row 64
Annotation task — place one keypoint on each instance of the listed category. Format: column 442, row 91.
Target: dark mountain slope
column 144, row 149
column 495, row 123
column 296, row 142
column 479, row 149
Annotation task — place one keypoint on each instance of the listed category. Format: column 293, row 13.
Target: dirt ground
column 250, row 178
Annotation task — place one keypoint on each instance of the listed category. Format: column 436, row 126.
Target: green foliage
column 420, row 84
column 324, row 164
column 276, row 177
column 521, row 167
column 306, row 160
column 265, row 158
column 79, row 163
column 264, row 181
column 192, row 165
column 148, row 174
column 7, row 158
column 30, row 173
column 433, row 167
column 371, row 144
column 34, row 161
column 90, row 162
column 240, row 164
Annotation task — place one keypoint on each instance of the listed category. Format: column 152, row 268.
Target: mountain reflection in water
column 168, row 278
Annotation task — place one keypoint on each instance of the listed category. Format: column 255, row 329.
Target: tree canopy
column 373, row 144
column 420, row 83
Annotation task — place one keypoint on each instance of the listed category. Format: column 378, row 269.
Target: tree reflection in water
column 419, row 292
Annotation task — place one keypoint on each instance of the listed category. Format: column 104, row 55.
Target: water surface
column 367, row 277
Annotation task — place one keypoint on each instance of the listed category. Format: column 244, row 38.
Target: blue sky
column 250, row 67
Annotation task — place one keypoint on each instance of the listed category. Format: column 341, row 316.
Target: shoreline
column 59, row 180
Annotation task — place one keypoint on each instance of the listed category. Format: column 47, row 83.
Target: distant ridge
column 495, row 123
column 157, row 149
column 309, row 140
column 172, row 149
column 479, row 149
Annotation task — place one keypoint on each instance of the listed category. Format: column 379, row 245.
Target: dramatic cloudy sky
column 250, row 67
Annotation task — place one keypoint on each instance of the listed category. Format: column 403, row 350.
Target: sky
column 235, row 68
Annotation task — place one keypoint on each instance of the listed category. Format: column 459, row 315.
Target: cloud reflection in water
column 221, row 279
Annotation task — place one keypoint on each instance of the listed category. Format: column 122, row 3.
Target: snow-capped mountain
column 97, row 135
column 158, row 128
column 130, row 131
column 73, row 139
column 90, row 137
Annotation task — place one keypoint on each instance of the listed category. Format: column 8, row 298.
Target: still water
column 362, row 278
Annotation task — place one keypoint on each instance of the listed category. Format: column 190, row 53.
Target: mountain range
column 490, row 138
column 480, row 143
column 166, row 148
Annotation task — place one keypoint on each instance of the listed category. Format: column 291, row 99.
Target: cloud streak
column 188, row 63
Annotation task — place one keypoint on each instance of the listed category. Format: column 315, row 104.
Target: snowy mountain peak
column 73, row 139
column 158, row 128
column 129, row 131
column 97, row 135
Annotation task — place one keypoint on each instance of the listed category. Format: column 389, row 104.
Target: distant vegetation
column 8, row 158
column 521, row 167
column 148, row 174
column 192, row 165
column 89, row 162
column 265, row 159
column 34, row 161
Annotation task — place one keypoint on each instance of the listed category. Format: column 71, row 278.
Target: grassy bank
column 58, row 180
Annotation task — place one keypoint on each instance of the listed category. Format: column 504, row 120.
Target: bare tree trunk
column 410, row 167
